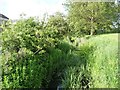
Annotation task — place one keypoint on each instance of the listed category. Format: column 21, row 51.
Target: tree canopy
column 91, row 17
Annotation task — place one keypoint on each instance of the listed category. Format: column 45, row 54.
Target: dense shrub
column 22, row 54
column 32, row 54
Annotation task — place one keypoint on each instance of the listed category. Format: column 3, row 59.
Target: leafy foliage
column 29, row 50
column 91, row 17
column 58, row 24
column 46, row 53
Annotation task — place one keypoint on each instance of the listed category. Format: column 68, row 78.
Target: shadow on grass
column 73, row 63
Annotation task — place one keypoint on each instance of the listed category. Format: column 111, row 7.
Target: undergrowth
column 36, row 56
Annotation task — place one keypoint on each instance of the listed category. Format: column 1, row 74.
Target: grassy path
column 99, row 56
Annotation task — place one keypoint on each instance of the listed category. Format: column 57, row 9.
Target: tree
column 91, row 17
column 58, row 25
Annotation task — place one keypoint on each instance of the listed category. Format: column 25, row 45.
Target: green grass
column 92, row 64
column 100, row 57
column 104, row 61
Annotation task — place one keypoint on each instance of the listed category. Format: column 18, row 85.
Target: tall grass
column 98, row 58
column 104, row 61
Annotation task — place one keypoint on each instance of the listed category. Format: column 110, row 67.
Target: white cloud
column 32, row 7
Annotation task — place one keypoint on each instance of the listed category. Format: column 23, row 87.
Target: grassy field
column 99, row 56
column 104, row 61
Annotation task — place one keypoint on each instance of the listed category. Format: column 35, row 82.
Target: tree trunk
column 92, row 30
column 91, row 33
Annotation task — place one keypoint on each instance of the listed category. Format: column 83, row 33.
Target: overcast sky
column 13, row 8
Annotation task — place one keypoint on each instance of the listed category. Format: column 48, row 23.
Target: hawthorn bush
column 26, row 53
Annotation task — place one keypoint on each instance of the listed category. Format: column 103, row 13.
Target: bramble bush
column 25, row 46
column 22, row 51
